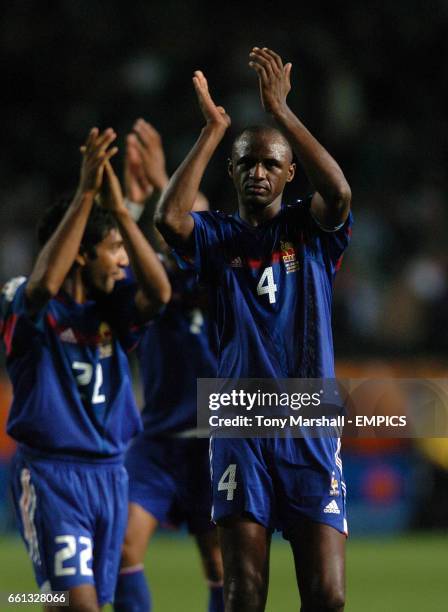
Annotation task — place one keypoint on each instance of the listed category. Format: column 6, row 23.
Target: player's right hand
column 144, row 162
column 95, row 153
column 215, row 116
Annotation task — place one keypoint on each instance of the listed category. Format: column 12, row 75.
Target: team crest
column 289, row 257
column 334, row 486
column 105, row 345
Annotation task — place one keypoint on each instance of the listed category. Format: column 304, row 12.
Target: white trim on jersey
column 210, row 455
column 27, row 510
column 337, row 456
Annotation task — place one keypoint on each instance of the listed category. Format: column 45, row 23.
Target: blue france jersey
column 69, row 371
column 176, row 350
column 272, row 288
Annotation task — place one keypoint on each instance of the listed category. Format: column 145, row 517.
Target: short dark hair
column 100, row 223
column 260, row 129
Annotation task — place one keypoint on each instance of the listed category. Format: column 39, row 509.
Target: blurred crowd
column 367, row 80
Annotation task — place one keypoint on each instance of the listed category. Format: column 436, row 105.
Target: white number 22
column 266, row 284
column 85, row 376
column 69, row 551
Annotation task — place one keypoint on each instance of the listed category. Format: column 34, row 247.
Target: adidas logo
column 236, row 263
column 332, row 508
column 68, row 336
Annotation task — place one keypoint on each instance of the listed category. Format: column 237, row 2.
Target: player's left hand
column 273, row 78
column 111, row 194
column 215, row 116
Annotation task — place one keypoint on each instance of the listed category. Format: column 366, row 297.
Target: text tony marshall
column 280, row 422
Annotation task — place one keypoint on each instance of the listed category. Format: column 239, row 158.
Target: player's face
column 103, row 271
column 260, row 167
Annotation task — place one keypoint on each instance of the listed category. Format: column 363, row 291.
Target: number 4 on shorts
column 231, row 484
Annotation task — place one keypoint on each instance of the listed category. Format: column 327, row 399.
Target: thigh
column 141, row 525
column 308, row 482
column 241, row 481
column 319, row 557
column 111, row 489
column 152, row 482
column 245, row 547
column 56, row 523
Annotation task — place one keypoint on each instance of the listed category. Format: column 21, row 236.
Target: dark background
column 368, row 81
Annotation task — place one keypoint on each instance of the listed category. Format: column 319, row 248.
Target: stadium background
column 367, row 80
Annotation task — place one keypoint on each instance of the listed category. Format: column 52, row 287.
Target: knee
column 132, row 553
column 128, row 556
column 246, row 587
column 325, row 598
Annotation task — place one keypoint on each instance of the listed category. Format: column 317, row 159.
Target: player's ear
column 230, row 167
column 291, row 172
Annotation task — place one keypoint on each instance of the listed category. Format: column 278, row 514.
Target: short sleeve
column 208, row 256
column 337, row 241
column 16, row 325
column 327, row 246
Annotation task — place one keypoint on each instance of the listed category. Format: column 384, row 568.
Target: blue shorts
column 170, row 479
column 278, row 481
column 72, row 518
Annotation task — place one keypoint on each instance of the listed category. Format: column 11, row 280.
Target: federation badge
column 334, row 486
column 105, row 345
column 289, row 257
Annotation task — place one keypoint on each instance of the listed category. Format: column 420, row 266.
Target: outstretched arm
column 154, row 289
column 58, row 255
column 330, row 204
column 173, row 218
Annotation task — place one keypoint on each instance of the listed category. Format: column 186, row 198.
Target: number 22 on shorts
column 69, row 551
column 230, row 484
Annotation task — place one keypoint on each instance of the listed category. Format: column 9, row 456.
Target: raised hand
column 273, row 78
column 95, row 154
column 137, row 187
column 214, row 115
column 111, row 194
column 144, row 163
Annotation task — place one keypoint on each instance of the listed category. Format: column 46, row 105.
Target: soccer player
column 169, row 479
column 67, row 329
column 270, row 267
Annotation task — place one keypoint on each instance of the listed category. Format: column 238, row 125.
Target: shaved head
column 254, row 131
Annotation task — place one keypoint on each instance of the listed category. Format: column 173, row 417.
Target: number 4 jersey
column 70, row 374
column 272, row 289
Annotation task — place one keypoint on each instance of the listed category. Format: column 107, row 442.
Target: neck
column 255, row 215
column 75, row 287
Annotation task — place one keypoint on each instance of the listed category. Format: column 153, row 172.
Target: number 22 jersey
column 70, row 374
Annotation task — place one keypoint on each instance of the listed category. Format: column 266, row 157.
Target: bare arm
column 173, row 218
column 58, row 255
column 331, row 202
column 154, row 289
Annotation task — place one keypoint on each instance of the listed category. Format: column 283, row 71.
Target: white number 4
column 231, row 483
column 266, row 284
